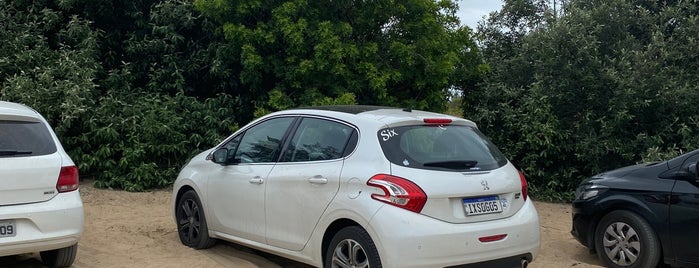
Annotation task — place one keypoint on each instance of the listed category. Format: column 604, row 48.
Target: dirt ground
column 124, row 229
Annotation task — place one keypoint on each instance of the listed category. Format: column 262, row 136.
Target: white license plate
column 8, row 228
column 482, row 205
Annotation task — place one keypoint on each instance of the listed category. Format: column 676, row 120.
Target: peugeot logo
column 484, row 183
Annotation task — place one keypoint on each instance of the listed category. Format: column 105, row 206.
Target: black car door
column 684, row 218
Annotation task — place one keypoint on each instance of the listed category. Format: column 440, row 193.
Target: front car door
column 237, row 189
column 301, row 186
column 684, row 218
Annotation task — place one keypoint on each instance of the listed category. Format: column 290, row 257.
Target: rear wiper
column 13, row 152
column 456, row 164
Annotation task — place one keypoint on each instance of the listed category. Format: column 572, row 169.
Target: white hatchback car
column 40, row 206
column 360, row 186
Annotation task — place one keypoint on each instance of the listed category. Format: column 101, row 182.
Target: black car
column 637, row 215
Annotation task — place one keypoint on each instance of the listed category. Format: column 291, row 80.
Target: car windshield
column 19, row 138
column 450, row 147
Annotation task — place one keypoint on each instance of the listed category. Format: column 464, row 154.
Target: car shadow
column 257, row 257
column 21, row 261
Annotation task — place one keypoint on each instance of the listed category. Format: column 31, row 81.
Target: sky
column 472, row 11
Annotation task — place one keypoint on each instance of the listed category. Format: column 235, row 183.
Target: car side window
column 261, row 143
column 317, row 139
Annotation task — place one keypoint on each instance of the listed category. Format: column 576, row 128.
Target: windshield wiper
column 456, row 164
column 13, row 152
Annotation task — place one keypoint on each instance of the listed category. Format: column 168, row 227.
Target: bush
column 137, row 142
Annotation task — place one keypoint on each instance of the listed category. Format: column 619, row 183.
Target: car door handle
column 318, row 179
column 257, row 180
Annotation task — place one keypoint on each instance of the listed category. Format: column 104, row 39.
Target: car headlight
column 588, row 191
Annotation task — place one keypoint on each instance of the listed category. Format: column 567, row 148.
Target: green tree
column 604, row 85
column 293, row 53
column 48, row 61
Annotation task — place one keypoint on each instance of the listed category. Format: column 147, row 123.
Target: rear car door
column 304, row 182
column 684, row 218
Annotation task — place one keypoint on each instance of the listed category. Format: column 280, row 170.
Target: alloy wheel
column 349, row 254
column 189, row 220
column 621, row 244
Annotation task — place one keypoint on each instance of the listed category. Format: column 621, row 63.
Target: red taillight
column 524, row 185
column 398, row 192
column 492, row 238
column 441, row 121
column 68, row 179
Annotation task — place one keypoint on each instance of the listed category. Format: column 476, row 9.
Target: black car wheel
column 624, row 239
column 62, row 257
column 191, row 223
column 352, row 247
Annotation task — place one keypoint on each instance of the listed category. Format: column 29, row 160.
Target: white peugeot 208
column 40, row 206
column 360, row 186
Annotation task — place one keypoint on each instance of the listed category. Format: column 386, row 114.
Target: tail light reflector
column 524, row 185
column 68, row 179
column 398, row 192
column 492, row 238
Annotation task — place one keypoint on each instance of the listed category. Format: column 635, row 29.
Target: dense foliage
column 131, row 124
column 604, row 84
column 300, row 52
column 135, row 88
column 566, row 88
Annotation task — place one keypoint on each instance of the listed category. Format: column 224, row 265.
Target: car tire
column 62, row 257
column 624, row 239
column 191, row 222
column 365, row 255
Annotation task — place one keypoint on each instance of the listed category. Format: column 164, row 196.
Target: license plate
column 482, row 205
column 7, row 228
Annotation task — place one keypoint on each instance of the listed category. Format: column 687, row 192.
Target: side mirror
column 693, row 169
column 690, row 173
column 220, row 156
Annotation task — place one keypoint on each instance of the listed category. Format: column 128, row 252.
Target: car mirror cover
column 220, row 156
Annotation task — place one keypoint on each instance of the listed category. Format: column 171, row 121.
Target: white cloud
column 472, row 11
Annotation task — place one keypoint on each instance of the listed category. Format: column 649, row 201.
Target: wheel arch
column 333, row 229
column 182, row 190
column 630, row 204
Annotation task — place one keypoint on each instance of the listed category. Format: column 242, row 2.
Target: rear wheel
column 624, row 239
column 352, row 247
column 62, row 257
column 191, row 222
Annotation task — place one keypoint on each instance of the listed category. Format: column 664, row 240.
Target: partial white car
column 360, row 186
column 40, row 205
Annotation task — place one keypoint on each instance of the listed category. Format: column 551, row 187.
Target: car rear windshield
column 20, row 139
column 450, row 147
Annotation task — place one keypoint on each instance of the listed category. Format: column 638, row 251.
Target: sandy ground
column 124, row 229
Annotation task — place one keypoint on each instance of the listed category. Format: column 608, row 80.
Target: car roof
column 380, row 114
column 15, row 109
column 350, row 109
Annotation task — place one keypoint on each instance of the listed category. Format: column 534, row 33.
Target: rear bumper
column 509, row 262
column 406, row 239
column 53, row 224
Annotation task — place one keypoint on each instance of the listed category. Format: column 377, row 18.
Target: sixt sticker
column 387, row 134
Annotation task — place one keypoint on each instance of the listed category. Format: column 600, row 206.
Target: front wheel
column 352, row 247
column 191, row 222
column 624, row 239
column 62, row 257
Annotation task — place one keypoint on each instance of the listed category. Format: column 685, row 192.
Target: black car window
column 317, row 139
column 260, row 143
column 20, row 138
column 448, row 147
